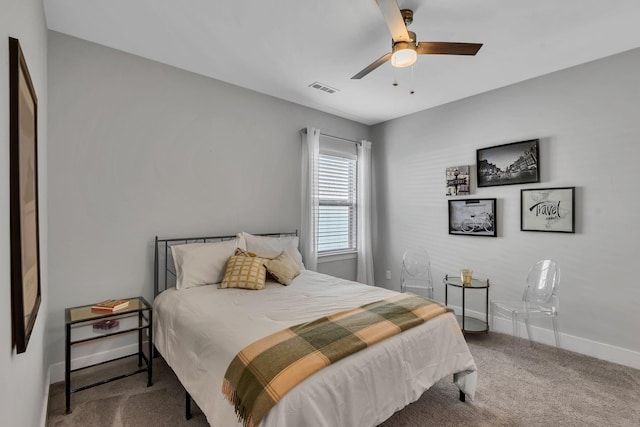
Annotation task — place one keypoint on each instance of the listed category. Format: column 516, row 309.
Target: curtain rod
column 334, row 137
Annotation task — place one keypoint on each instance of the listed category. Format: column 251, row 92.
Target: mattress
column 199, row 330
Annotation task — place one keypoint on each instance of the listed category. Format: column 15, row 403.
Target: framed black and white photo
column 458, row 180
column 473, row 217
column 507, row 164
column 26, row 294
column 548, row 209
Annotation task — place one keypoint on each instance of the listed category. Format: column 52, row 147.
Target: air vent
column 323, row 87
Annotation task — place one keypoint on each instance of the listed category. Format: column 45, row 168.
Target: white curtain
column 365, row 254
column 309, row 211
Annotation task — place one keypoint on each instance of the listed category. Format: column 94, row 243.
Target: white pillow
column 201, row 263
column 271, row 247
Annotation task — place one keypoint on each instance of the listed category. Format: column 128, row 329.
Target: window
column 337, row 203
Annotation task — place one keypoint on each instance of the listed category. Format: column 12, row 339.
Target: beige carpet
column 581, row 391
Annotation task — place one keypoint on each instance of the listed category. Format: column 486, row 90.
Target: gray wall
column 24, row 376
column 138, row 149
column 588, row 124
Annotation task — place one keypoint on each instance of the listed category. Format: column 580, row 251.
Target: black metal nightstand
column 137, row 316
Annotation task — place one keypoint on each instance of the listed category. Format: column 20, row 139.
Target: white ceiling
column 280, row 47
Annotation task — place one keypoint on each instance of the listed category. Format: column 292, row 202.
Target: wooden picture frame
column 548, row 209
column 26, row 293
column 473, row 217
column 508, row 164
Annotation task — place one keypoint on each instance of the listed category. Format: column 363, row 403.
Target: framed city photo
column 23, row 194
column 507, row 164
column 548, row 209
column 458, row 180
column 473, row 217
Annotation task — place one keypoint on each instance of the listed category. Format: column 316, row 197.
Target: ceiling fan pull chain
column 412, row 82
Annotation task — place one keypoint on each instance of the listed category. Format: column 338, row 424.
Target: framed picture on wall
column 473, row 217
column 548, row 209
column 23, row 182
column 458, row 180
column 507, row 164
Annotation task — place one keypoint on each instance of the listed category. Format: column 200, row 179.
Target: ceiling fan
column 404, row 46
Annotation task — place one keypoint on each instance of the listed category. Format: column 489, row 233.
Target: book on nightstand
column 110, row 305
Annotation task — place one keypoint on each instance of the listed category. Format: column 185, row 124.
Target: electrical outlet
column 388, row 274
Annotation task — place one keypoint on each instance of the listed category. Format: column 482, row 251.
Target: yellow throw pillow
column 242, row 252
column 283, row 268
column 244, row 272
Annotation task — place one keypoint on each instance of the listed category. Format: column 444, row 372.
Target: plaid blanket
column 267, row 369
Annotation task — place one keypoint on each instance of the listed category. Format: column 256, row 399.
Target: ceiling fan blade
column 393, row 18
column 375, row 64
column 447, row 48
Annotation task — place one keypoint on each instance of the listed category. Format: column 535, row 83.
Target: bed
column 200, row 329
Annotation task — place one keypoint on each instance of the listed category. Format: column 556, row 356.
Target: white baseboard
column 45, row 403
column 580, row 345
column 57, row 369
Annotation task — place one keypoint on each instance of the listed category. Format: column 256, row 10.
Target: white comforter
column 199, row 330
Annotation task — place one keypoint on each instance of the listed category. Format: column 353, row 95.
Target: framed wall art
column 458, row 180
column 507, row 164
column 23, row 181
column 473, row 217
column 548, row 209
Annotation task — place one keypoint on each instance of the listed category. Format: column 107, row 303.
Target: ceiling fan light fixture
column 404, row 54
column 404, row 43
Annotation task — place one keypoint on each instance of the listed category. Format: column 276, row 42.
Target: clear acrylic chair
column 416, row 273
column 539, row 300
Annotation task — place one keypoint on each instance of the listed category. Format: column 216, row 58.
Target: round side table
column 468, row 323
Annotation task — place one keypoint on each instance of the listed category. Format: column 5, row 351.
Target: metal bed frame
column 164, row 274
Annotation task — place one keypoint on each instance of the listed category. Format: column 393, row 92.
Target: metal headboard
column 164, row 274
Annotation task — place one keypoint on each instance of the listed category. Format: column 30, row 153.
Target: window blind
column 337, row 203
